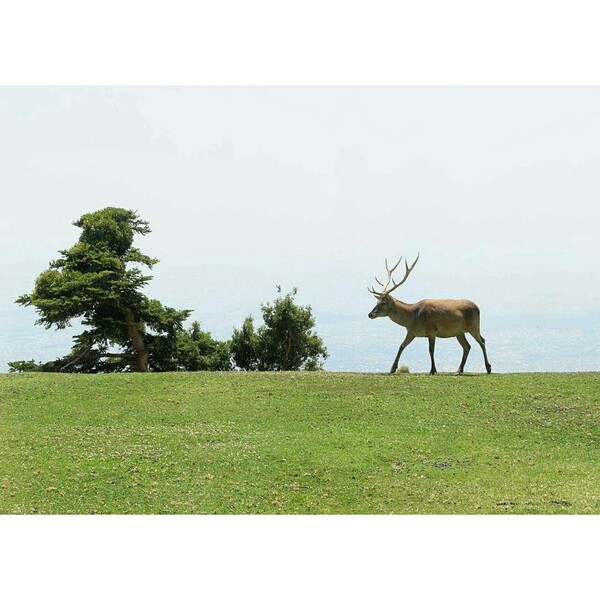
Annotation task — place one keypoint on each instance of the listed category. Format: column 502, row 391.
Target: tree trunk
column 141, row 351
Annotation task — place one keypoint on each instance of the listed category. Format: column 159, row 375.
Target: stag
column 428, row 318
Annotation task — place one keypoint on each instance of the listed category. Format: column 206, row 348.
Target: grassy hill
column 299, row 443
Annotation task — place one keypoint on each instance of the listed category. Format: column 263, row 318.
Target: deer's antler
column 390, row 277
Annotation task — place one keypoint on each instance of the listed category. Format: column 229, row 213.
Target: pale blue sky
column 249, row 187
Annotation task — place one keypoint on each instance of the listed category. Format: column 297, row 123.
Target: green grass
column 303, row 443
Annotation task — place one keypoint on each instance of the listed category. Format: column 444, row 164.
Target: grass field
column 299, row 443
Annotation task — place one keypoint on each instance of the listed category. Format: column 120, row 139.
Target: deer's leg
column 407, row 340
column 431, row 349
column 481, row 342
column 462, row 340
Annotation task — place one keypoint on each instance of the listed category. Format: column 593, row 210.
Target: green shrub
column 285, row 342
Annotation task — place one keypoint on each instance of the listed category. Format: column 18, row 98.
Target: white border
column 327, row 42
column 299, row 557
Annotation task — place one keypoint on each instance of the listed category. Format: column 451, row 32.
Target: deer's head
column 384, row 301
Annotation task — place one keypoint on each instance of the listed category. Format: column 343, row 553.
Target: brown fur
column 433, row 319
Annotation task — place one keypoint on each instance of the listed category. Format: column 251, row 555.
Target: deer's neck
column 403, row 313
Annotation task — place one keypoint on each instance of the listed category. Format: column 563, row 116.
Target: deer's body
column 432, row 319
column 444, row 318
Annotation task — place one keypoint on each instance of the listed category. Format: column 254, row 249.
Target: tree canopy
column 285, row 342
column 99, row 280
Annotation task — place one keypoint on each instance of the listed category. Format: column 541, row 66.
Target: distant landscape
column 561, row 343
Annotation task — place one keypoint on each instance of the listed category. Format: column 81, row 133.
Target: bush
column 285, row 342
column 245, row 347
column 196, row 350
column 29, row 366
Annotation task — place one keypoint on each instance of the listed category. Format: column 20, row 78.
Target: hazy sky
column 249, row 187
